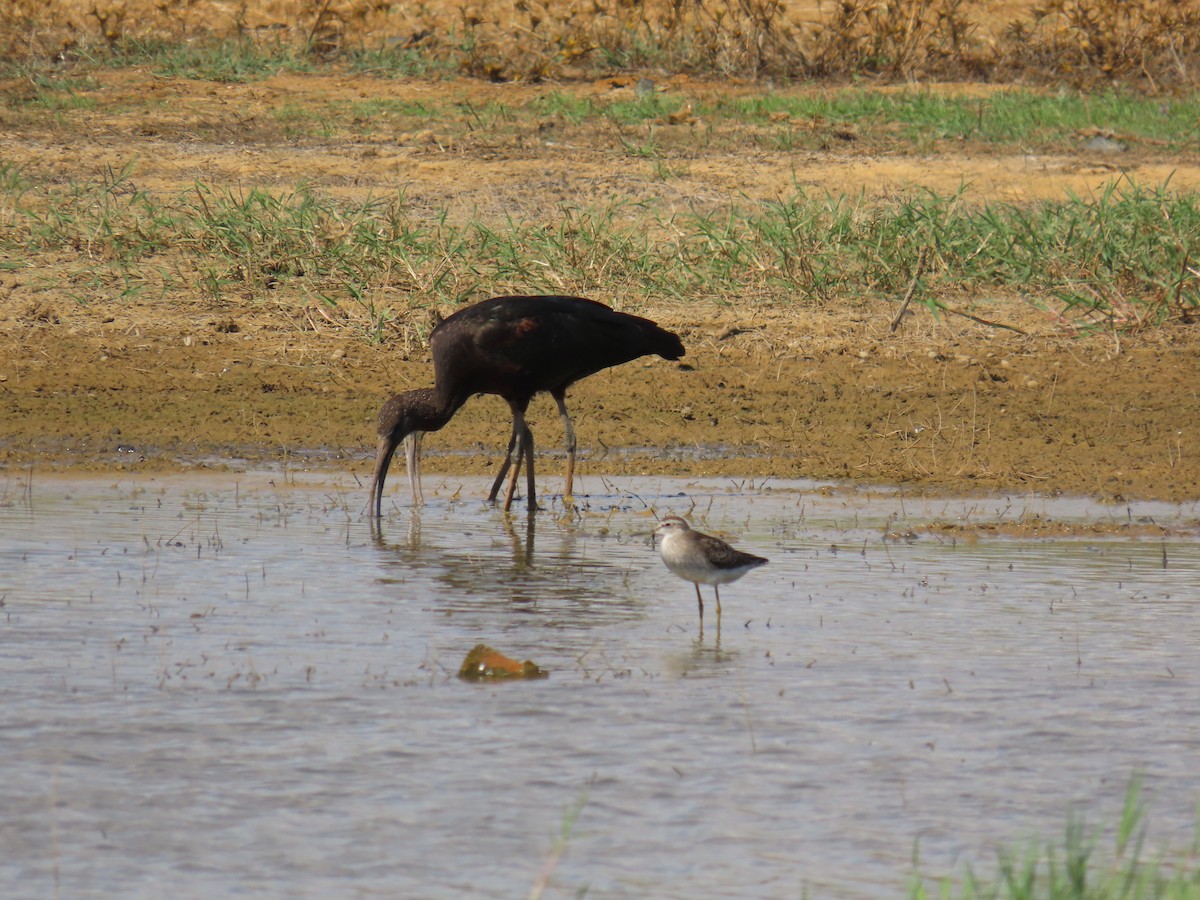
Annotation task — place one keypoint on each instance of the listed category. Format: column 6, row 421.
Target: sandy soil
column 787, row 391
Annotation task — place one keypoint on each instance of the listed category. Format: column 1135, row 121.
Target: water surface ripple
column 226, row 684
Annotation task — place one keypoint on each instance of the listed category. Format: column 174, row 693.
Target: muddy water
column 226, row 684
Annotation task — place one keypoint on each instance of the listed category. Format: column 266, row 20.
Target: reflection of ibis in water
column 513, row 347
column 702, row 559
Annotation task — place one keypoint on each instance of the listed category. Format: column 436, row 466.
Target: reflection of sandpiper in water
column 513, row 347
column 702, row 559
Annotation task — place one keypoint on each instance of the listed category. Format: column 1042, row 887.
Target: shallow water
column 224, row 684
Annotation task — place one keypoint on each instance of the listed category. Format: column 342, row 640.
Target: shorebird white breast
column 701, row 558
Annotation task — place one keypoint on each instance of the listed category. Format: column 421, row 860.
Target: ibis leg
column 569, row 429
column 508, row 458
column 516, row 471
column 412, row 462
column 524, row 453
column 528, row 437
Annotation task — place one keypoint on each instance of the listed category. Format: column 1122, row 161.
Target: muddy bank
column 948, row 404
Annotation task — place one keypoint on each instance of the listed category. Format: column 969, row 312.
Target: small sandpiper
column 702, row 559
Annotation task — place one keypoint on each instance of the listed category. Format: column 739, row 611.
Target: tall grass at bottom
column 1079, row 867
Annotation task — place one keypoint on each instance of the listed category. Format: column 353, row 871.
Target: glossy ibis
column 513, row 347
column 702, row 559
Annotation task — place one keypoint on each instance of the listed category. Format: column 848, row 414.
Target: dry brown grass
column 1154, row 43
column 900, row 40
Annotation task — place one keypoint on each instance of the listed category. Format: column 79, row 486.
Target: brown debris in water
column 485, row 664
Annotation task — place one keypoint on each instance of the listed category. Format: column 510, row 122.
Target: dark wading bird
column 513, row 347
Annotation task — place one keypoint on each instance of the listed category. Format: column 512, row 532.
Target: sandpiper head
column 400, row 416
column 669, row 525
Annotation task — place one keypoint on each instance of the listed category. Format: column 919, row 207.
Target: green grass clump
column 397, row 59
column 1121, row 259
column 1079, row 870
column 1012, row 119
column 230, row 60
column 854, row 120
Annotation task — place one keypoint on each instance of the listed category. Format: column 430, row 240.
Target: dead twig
column 980, row 319
column 912, row 288
column 1185, row 314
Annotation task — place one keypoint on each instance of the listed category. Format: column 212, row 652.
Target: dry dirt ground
column 786, row 390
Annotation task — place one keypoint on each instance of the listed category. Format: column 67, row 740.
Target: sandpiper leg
column 700, row 604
